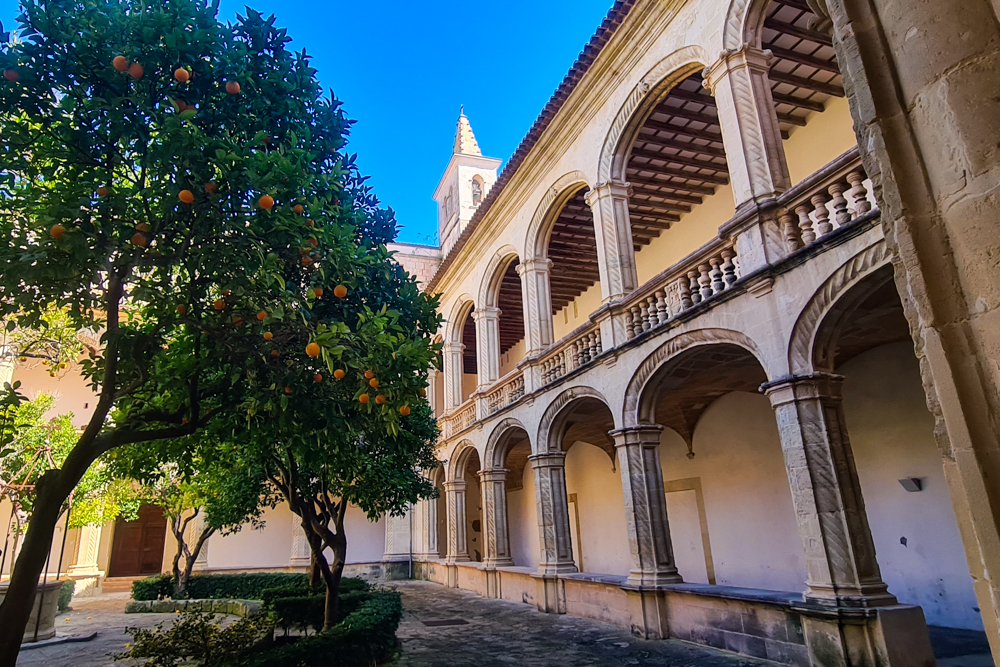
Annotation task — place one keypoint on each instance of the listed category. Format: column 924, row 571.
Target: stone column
column 536, row 295
column 487, row 321
column 553, row 513
column 85, row 571
column 301, row 553
column 195, row 529
column 426, row 525
column 645, row 506
column 495, row 531
column 840, row 554
column 432, row 397
column 458, row 544
column 750, row 130
column 615, row 254
column 452, row 357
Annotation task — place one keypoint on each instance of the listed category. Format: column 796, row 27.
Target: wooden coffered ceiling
column 511, row 309
column 573, row 251
column 469, row 364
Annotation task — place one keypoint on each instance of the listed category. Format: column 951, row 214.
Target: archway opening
column 593, row 488
column 729, row 505
column 865, row 338
column 573, row 280
column 470, row 356
column 440, row 524
column 511, row 323
column 469, row 473
column 513, row 450
column 675, row 164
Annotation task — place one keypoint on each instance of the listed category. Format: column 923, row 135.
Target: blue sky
column 403, row 68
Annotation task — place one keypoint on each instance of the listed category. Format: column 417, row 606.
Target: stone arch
column 639, row 402
column 490, row 288
column 537, row 241
column 453, row 324
column 650, row 90
column 550, row 420
column 458, row 459
column 809, row 350
column 493, row 459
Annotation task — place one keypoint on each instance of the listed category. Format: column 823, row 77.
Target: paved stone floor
column 500, row 634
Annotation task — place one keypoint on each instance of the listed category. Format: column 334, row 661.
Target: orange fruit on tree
column 262, row 315
column 312, row 349
column 135, row 71
column 288, row 390
column 237, row 320
column 298, row 208
column 102, row 191
column 266, row 202
column 120, row 63
column 404, row 410
column 186, row 196
column 369, row 375
column 268, row 335
column 373, row 383
column 339, row 374
column 318, row 291
column 310, row 222
column 275, row 354
column 380, row 399
column 317, row 378
column 307, row 261
column 233, row 88
column 57, row 231
column 313, row 242
column 423, row 392
column 340, row 291
column 364, row 398
column 142, row 227
column 182, row 309
column 182, row 75
column 211, row 187
column 139, row 239
column 219, row 304
column 11, row 75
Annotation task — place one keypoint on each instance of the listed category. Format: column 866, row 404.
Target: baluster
column 695, row 286
column 859, row 193
column 823, row 224
column 728, row 267
column 790, row 231
column 840, row 212
column 704, row 281
column 662, row 312
column 595, row 345
column 637, row 319
column 716, row 274
column 651, row 316
column 576, row 354
column 805, row 224
column 684, row 287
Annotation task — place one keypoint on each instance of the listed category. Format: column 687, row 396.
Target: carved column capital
column 647, row 435
column 493, row 475
column 455, row 485
column 751, row 57
column 548, row 460
column 608, row 189
column 486, row 314
column 803, row 387
column 453, row 348
column 543, row 264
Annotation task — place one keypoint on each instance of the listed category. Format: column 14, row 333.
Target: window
column 477, row 191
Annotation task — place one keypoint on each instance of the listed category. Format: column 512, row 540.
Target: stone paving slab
column 501, row 633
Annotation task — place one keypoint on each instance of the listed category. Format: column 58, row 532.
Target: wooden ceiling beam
column 715, row 151
column 688, row 132
column 795, row 31
column 678, row 112
column 682, row 187
column 680, row 159
column 792, row 119
column 673, row 172
column 691, row 96
column 811, row 105
column 802, row 82
column 804, row 59
column 653, row 187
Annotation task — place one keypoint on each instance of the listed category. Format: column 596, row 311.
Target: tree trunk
column 15, row 610
column 176, row 569
column 332, row 576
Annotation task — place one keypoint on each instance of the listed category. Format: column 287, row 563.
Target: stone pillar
column 458, row 544
column 432, row 397
column 615, row 254
column 426, row 526
column 88, row 545
column 452, row 357
column 301, row 553
column 833, row 525
column 750, row 130
column 536, row 295
column 925, row 115
column 645, row 507
column 195, row 528
column 496, row 534
column 487, row 321
column 553, row 513
column 399, row 545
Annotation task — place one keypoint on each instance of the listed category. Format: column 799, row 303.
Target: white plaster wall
column 474, row 514
column 365, row 539
column 577, row 312
column 70, row 390
column 522, row 522
column 598, row 487
column 892, row 435
column 827, row 135
column 751, row 522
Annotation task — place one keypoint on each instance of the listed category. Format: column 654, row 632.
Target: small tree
column 179, row 186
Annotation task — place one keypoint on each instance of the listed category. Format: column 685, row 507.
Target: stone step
column 118, row 584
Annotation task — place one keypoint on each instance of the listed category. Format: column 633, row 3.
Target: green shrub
column 364, row 637
column 269, row 595
column 309, row 611
column 153, row 588
column 196, row 638
column 66, row 595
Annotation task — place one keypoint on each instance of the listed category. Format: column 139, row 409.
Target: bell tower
column 465, row 184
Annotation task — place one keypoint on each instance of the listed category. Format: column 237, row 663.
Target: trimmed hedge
column 232, row 586
column 364, row 637
column 309, row 611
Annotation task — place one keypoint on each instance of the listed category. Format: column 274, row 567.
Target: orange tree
column 180, row 187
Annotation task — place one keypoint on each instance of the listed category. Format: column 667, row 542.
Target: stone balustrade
column 507, row 391
column 711, row 270
column 573, row 352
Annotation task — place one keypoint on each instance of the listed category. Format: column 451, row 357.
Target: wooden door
column 137, row 548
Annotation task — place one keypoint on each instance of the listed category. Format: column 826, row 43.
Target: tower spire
column 465, row 140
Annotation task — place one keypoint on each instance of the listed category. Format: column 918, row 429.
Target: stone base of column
column 893, row 636
column 452, row 579
column 550, row 596
column 865, row 597
column 492, row 583
column 647, row 609
column 652, row 579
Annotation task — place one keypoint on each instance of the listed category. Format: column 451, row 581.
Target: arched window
column 477, row 191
